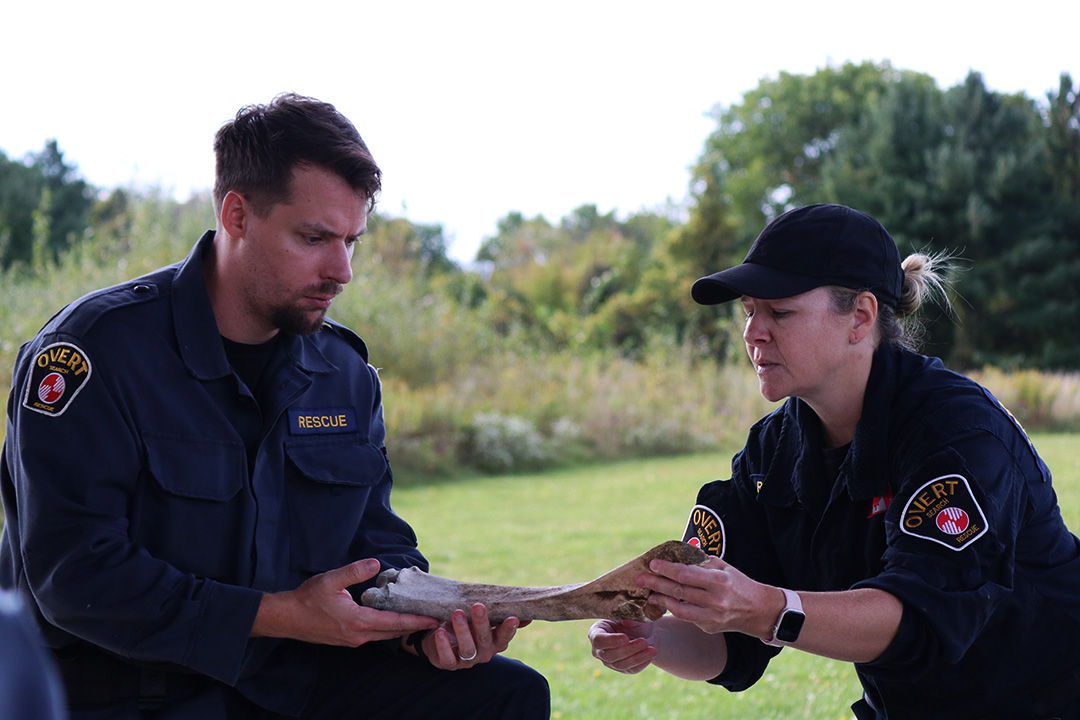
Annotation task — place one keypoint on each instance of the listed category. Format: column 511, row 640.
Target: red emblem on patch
column 51, row 388
column 952, row 521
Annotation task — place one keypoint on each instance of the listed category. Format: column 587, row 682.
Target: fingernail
column 372, row 565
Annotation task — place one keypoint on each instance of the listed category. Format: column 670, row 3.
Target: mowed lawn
column 572, row 525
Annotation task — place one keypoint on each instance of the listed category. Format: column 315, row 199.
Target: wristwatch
column 790, row 623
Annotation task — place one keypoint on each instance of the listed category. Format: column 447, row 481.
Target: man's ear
column 235, row 214
column 864, row 318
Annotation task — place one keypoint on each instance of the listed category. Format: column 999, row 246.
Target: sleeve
column 383, row 534
column 952, row 542
column 727, row 522
column 74, row 460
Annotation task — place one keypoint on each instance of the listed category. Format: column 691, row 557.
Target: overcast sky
column 474, row 109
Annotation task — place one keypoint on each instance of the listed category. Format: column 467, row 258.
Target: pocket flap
column 339, row 463
column 201, row 468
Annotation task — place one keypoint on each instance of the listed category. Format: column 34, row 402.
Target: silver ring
column 467, row 659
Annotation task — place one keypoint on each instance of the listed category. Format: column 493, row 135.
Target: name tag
column 321, row 421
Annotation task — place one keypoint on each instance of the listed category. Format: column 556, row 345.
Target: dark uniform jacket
column 137, row 520
column 942, row 501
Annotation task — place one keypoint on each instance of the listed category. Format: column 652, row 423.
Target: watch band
column 789, row 624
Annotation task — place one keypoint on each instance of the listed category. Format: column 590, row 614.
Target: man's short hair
column 256, row 151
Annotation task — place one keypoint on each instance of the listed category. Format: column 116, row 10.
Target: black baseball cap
column 807, row 248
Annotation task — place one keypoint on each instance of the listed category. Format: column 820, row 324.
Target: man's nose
column 339, row 265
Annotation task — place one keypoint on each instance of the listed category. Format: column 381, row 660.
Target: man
column 195, row 477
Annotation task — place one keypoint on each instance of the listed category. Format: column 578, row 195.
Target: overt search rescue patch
column 945, row 511
column 58, row 373
column 705, row 529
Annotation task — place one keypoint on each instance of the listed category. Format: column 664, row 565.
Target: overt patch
column 705, row 529
column 58, row 373
column 946, row 512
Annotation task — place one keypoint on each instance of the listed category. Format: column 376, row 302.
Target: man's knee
column 509, row 690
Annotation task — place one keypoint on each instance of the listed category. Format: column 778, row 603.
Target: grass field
column 570, row 526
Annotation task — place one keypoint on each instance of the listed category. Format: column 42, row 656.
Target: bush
column 1040, row 401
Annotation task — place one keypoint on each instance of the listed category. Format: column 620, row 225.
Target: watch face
column 791, row 623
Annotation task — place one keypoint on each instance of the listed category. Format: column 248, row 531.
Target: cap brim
column 752, row 280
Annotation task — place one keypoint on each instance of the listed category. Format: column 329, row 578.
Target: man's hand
column 322, row 611
column 467, row 641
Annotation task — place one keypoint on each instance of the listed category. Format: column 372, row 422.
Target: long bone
column 614, row 595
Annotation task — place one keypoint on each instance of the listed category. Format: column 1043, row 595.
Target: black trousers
column 369, row 684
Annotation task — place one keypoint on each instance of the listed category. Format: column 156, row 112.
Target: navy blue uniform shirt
column 942, row 501
column 135, row 519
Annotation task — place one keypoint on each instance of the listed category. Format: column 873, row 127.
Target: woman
column 891, row 513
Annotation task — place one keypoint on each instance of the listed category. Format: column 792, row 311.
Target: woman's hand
column 622, row 646
column 715, row 596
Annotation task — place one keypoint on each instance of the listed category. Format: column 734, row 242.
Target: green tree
column 402, row 247
column 1063, row 140
column 965, row 170
column 48, row 185
column 570, row 284
column 20, row 196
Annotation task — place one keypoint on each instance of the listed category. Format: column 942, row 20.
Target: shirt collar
column 865, row 468
column 197, row 331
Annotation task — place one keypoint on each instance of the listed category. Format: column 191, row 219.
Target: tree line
column 989, row 177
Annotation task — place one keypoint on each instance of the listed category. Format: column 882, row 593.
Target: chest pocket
column 195, row 468
column 188, row 508
column 337, row 463
column 329, row 487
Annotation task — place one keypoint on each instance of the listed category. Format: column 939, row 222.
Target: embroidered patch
column 705, row 530
column 945, row 511
column 322, row 421
column 59, row 372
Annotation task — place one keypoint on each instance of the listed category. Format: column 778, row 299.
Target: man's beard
column 297, row 322
column 292, row 320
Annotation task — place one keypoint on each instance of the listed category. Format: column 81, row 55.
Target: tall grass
column 462, row 397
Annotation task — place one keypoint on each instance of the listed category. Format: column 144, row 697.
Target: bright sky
column 475, row 109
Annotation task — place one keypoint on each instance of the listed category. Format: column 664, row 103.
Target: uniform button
column 141, row 289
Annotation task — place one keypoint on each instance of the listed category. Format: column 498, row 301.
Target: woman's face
column 798, row 345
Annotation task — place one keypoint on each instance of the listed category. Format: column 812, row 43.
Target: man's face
column 297, row 257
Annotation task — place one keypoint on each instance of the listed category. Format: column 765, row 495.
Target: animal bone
column 614, row 595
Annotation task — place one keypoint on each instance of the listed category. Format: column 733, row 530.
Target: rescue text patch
column 705, row 530
column 945, row 511
column 321, row 421
column 59, row 372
